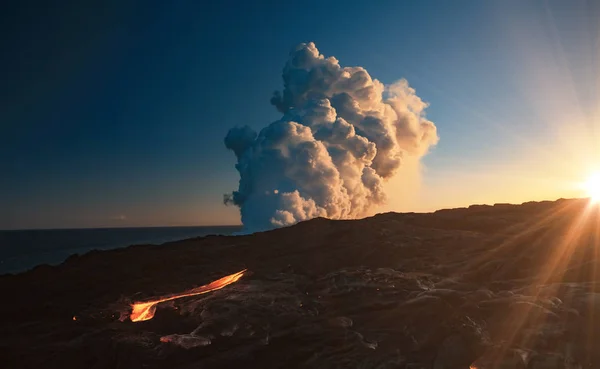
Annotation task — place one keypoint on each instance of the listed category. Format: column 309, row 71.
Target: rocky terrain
column 504, row 286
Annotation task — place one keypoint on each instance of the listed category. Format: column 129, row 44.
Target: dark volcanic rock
column 511, row 286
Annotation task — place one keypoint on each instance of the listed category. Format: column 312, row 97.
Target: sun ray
column 592, row 187
column 553, row 271
column 513, row 236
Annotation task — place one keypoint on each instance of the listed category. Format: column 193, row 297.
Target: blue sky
column 114, row 114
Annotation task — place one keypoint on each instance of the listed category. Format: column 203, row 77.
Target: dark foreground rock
column 485, row 287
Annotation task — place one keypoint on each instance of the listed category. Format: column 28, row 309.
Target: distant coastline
column 123, row 227
column 21, row 250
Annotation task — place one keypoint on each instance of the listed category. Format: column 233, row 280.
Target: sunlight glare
column 592, row 187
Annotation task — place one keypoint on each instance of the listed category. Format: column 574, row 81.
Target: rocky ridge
column 503, row 286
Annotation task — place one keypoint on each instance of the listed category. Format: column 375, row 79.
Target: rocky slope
column 504, row 286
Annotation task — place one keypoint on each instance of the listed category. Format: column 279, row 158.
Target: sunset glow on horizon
column 507, row 114
column 592, row 187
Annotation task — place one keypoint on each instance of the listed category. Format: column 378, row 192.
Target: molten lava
column 144, row 310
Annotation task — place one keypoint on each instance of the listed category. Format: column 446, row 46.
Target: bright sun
column 592, row 187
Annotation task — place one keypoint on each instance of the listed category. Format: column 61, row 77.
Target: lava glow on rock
column 144, row 310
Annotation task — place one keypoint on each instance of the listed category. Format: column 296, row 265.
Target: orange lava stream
column 144, row 310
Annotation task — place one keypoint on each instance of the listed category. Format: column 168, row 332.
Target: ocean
column 21, row 250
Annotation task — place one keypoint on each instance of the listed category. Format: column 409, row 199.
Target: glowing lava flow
column 145, row 310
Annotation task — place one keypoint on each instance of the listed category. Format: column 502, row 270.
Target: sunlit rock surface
column 485, row 287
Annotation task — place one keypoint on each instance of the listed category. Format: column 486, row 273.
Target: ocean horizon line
column 119, row 227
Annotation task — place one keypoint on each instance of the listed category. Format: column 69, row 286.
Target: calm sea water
column 23, row 250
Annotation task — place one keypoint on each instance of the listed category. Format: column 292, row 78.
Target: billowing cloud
column 342, row 134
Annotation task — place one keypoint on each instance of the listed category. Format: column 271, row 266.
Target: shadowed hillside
column 512, row 285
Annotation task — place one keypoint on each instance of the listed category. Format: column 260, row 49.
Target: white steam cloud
column 341, row 136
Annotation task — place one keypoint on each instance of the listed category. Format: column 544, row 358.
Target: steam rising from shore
column 342, row 134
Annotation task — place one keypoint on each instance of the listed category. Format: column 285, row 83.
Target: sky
column 113, row 113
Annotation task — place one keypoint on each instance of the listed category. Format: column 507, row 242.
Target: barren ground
column 514, row 285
